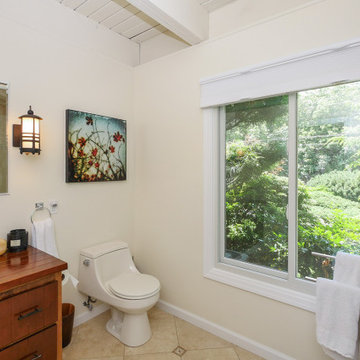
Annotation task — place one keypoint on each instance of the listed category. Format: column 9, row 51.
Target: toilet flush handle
column 86, row 262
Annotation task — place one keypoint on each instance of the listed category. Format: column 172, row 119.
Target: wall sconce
column 27, row 135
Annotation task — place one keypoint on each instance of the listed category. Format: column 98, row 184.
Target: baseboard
column 226, row 334
column 88, row 315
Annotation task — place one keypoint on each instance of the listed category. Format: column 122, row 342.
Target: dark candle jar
column 17, row 240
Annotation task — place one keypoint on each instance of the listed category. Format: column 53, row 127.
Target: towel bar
column 322, row 255
column 38, row 207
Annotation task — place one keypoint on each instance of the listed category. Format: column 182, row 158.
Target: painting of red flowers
column 96, row 147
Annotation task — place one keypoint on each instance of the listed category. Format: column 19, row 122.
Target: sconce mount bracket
column 16, row 135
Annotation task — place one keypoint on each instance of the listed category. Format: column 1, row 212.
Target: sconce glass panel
column 3, row 139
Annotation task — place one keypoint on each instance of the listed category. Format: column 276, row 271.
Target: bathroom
column 159, row 209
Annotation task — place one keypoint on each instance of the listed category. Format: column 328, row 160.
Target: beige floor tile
column 66, row 353
column 157, row 314
column 194, row 338
column 75, row 331
column 163, row 340
column 246, row 355
column 158, row 356
column 93, row 341
column 211, row 354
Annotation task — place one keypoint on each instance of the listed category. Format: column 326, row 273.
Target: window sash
column 295, row 292
column 222, row 211
column 292, row 198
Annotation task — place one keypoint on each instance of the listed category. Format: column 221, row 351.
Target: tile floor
column 172, row 339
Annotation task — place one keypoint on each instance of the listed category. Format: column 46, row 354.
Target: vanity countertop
column 25, row 266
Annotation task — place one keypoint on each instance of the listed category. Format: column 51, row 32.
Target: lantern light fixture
column 27, row 135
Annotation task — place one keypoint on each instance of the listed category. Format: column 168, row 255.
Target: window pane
column 328, row 176
column 256, row 182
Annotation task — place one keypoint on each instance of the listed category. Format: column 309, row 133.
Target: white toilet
column 108, row 273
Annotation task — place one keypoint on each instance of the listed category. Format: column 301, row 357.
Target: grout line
column 177, row 334
column 176, row 330
column 238, row 356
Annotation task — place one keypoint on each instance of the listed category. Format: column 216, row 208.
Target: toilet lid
column 134, row 286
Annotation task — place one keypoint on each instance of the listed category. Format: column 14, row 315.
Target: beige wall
column 49, row 67
column 242, row 13
column 169, row 179
column 161, row 45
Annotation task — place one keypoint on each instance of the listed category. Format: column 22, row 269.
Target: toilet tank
column 107, row 260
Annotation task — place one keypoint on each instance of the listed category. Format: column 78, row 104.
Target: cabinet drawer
column 27, row 313
column 40, row 346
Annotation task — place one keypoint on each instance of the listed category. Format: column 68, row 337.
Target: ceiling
column 125, row 19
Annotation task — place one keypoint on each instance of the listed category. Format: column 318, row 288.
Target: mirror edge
column 5, row 85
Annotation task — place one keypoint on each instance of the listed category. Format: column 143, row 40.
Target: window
column 256, row 177
column 282, row 172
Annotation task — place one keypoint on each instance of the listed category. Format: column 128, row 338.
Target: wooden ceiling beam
column 185, row 18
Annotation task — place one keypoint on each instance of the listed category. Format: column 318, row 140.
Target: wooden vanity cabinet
column 30, row 306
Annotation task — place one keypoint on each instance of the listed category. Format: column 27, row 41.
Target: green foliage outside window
column 328, row 179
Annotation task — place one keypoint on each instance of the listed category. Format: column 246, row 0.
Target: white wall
column 55, row 60
column 169, row 178
column 242, row 13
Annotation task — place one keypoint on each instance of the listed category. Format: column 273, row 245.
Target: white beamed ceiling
column 125, row 19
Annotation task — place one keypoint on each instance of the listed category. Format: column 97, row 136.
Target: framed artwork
column 95, row 147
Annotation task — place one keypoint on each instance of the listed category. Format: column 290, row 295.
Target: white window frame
column 286, row 76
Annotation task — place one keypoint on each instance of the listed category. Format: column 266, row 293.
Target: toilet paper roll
column 68, row 276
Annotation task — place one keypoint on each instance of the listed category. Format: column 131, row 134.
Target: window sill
column 275, row 292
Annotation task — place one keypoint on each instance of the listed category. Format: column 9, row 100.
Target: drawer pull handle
column 34, row 356
column 37, row 356
column 35, row 311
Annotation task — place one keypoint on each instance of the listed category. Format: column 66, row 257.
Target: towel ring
column 38, row 207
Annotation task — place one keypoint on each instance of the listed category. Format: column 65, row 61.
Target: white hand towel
column 347, row 269
column 43, row 236
column 337, row 315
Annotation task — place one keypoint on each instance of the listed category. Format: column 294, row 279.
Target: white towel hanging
column 43, row 236
column 347, row 269
column 337, row 316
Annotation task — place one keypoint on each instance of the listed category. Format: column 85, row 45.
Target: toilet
column 108, row 273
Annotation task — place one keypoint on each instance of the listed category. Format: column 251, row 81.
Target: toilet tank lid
column 94, row 252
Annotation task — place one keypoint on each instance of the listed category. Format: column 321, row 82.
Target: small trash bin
column 67, row 323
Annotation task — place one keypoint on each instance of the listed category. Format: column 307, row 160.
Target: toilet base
column 130, row 329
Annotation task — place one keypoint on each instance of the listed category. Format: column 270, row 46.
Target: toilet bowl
column 108, row 273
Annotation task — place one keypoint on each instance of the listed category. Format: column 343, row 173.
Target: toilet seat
column 134, row 286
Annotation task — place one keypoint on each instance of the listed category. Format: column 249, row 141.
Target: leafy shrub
column 342, row 183
column 257, row 195
column 256, row 222
column 323, row 203
column 339, row 232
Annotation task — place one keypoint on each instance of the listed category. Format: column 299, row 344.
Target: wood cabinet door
column 27, row 313
column 40, row 346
